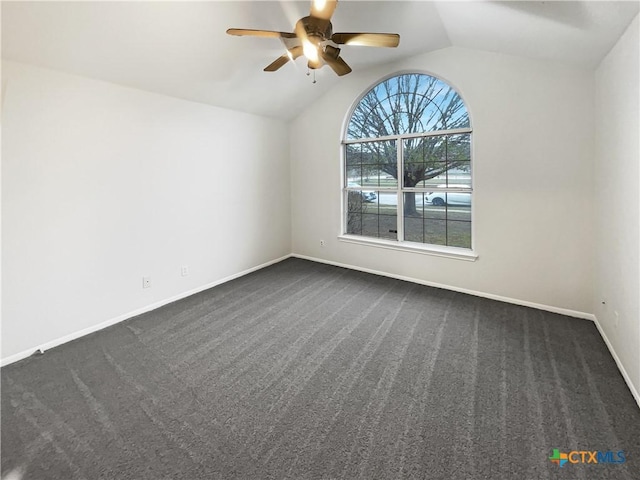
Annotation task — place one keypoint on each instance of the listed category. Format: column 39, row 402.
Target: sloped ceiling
column 181, row 48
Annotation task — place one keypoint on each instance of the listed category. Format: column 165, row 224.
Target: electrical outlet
column 184, row 270
column 322, row 243
column 146, row 282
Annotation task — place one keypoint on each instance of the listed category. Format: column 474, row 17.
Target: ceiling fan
column 314, row 38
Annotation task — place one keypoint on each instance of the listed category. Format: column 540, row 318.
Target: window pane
column 447, row 224
column 408, row 103
column 353, row 163
column 414, row 217
column 373, row 217
column 379, row 178
column 459, row 234
column 459, row 148
column 458, row 160
column 414, row 229
column 371, row 164
column 435, row 232
column 453, row 176
column 439, row 199
column 355, row 208
column 459, row 175
column 424, row 158
column 437, row 161
column 352, row 155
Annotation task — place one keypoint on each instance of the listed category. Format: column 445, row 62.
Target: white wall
column 617, row 182
column 103, row 184
column 533, row 161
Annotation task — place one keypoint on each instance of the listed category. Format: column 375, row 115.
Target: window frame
column 399, row 243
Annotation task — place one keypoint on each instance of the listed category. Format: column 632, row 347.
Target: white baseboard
column 515, row 301
column 148, row 308
column 81, row 333
column 623, row 371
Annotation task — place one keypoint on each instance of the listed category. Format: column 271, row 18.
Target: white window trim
column 404, row 246
column 466, row 254
column 434, row 133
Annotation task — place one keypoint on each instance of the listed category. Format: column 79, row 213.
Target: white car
column 439, row 199
column 367, row 195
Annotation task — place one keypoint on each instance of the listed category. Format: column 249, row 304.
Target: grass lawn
column 450, row 226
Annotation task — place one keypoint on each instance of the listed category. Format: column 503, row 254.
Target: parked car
column 367, row 195
column 439, row 199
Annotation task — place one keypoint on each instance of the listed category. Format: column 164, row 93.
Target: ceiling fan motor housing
column 317, row 31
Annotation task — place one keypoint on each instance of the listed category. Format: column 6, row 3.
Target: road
column 389, row 198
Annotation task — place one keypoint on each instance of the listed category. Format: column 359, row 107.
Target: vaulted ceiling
column 181, row 48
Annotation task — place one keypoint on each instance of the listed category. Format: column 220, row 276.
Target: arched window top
column 406, row 104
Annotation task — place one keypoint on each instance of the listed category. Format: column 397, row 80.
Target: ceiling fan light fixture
column 310, row 50
column 320, row 4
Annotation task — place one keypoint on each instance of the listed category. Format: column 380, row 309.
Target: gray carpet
column 307, row 371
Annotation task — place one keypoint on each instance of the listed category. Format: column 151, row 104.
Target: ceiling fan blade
column 339, row 66
column 260, row 33
column 296, row 52
column 367, row 39
column 323, row 9
column 292, row 54
column 331, row 57
column 275, row 65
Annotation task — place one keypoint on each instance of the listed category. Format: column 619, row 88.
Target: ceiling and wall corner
column 180, row 49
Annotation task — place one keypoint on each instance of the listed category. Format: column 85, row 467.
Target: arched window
column 407, row 164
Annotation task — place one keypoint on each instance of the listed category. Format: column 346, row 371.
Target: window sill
column 447, row 252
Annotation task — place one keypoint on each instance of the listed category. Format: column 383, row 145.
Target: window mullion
column 399, row 193
column 433, row 133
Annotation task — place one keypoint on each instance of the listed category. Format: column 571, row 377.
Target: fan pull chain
column 314, row 74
